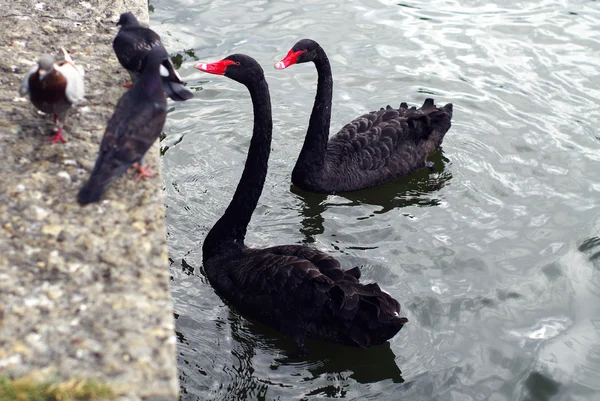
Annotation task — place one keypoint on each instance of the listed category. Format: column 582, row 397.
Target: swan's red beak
column 218, row 67
column 291, row 58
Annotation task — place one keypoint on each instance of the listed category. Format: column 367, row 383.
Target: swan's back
column 305, row 294
column 378, row 147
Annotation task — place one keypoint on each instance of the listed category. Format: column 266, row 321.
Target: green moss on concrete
column 30, row 389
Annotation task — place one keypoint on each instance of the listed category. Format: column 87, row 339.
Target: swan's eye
column 236, row 63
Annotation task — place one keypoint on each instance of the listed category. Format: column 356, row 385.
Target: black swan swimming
column 375, row 148
column 136, row 123
column 301, row 291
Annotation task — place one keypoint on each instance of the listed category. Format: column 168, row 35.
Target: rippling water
column 495, row 259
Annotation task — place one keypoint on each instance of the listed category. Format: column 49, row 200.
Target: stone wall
column 83, row 291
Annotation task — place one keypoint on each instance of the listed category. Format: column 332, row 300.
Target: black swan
column 137, row 121
column 301, row 291
column 132, row 45
column 375, row 148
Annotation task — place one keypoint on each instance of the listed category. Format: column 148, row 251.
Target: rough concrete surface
column 83, row 291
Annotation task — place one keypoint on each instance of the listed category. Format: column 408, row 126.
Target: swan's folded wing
column 386, row 136
column 371, row 139
column 282, row 270
column 285, row 279
column 291, row 293
column 326, row 264
column 320, row 259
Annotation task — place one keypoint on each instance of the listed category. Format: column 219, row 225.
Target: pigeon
column 53, row 87
column 137, row 121
column 132, row 45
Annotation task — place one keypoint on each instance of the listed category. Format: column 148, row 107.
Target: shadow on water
column 540, row 387
column 417, row 189
column 370, row 365
column 591, row 244
column 257, row 343
column 311, row 210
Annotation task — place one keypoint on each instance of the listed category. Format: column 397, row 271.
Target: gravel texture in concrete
column 83, row 291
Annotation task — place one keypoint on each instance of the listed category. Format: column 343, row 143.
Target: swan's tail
column 371, row 316
column 440, row 116
column 429, row 122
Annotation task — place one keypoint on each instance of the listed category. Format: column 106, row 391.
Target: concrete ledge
column 84, row 291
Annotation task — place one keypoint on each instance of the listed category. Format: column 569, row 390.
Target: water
column 495, row 259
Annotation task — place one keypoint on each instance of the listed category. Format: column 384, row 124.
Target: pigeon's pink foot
column 57, row 137
column 127, row 85
column 143, row 171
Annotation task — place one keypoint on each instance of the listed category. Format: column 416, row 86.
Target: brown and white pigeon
column 137, row 121
column 53, row 87
column 132, row 45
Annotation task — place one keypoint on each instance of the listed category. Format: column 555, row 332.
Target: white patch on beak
column 201, row 66
column 279, row 65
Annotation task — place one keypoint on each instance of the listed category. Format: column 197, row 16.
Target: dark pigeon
column 132, row 45
column 137, row 121
column 53, row 87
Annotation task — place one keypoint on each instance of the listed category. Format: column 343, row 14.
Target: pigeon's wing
column 130, row 132
column 24, row 89
column 74, row 74
column 132, row 45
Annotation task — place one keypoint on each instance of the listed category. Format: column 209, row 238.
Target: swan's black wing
column 304, row 293
column 134, row 126
column 390, row 136
column 326, row 264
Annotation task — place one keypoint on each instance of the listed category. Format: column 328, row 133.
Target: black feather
column 136, row 123
column 375, row 148
column 132, row 45
column 299, row 290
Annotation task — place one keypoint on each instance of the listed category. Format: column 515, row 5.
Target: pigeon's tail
column 177, row 91
column 90, row 192
column 105, row 171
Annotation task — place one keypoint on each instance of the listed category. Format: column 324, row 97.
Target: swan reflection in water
column 250, row 360
column 418, row 189
column 257, row 346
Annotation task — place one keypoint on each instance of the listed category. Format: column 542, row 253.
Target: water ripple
column 493, row 257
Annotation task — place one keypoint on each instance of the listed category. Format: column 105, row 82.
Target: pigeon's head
column 45, row 65
column 128, row 19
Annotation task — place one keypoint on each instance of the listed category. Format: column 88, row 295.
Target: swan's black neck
column 228, row 233
column 312, row 156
